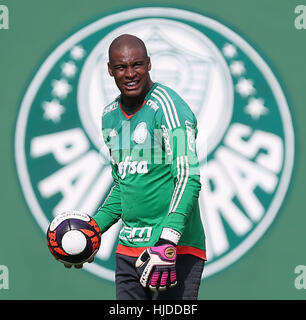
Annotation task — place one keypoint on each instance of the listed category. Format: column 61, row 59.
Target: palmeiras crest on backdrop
column 245, row 141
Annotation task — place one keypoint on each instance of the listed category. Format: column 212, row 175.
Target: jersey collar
column 129, row 116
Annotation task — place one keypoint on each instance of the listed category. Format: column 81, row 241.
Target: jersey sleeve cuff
column 171, row 235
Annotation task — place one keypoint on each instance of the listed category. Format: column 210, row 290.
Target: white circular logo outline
column 44, row 69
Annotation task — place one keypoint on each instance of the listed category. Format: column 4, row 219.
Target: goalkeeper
column 150, row 133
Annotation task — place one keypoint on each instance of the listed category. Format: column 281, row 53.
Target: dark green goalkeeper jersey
column 156, row 174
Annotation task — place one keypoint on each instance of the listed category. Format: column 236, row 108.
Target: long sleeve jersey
column 156, row 174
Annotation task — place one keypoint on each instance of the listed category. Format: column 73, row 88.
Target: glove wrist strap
column 171, row 235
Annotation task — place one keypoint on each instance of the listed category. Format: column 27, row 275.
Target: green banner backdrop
column 240, row 66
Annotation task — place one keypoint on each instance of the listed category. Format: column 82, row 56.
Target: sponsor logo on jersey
column 166, row 137
column 110, row 108
column 113, row 133
column 245, row 139
column 135, row 234
column 190, row 136
column 153, row 105
column 131, row 167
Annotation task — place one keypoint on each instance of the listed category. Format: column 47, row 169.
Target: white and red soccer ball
column 73, row 238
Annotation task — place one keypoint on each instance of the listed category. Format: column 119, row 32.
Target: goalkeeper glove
column 156, row 264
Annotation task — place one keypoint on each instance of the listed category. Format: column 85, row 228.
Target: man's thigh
column 128, row 286
column 189, row 273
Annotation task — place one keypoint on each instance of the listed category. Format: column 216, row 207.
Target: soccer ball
column 73, row 238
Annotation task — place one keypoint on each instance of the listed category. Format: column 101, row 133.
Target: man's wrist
column 170, row 236
column 162, row 242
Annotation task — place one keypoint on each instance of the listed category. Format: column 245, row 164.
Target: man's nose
column 130, row 72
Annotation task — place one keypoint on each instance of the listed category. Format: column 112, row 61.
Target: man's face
column 130, row 67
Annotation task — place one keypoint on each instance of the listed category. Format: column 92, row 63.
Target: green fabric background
column 36, row 27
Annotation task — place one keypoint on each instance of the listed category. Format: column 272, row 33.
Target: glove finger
column 92, row 257
column 91, row 260
column 173, row 279
column 154, row 280
column 163, row 280
column 145, row 274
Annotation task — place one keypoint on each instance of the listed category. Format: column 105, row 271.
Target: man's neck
column 134, row 102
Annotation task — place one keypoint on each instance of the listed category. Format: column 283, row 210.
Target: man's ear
column 110, row 71
column 149, row 64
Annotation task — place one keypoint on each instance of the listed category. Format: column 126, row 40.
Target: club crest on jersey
column 140, row 133
column 245, row 137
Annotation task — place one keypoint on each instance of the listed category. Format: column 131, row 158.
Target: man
column 150, row 132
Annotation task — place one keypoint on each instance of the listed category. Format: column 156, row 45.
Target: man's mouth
column 132, row 85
